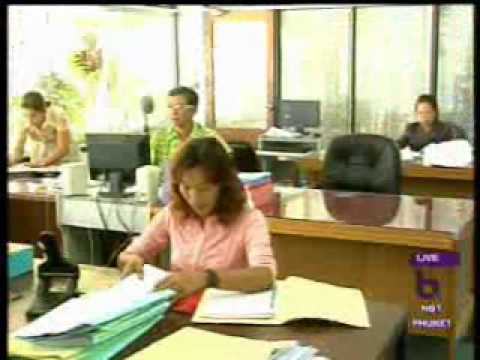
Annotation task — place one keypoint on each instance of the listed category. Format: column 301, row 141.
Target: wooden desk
column 417, row 179
column 31, row 209
column 367, row 240
column 383, row 340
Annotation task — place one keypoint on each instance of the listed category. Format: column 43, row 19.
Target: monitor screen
column 117, row 156
column 299, row 114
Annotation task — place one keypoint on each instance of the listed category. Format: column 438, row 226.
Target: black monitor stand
column 116, row 186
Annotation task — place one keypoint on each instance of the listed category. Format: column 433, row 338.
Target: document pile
column 22, row 168
column 454, row 153
column 292, row 298
column 97, row 325
column 258, row 187
column 280, row 133
column 254, row 179
column 191, row 344
column 224, row 304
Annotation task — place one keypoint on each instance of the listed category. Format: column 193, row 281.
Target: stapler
column 57, row 278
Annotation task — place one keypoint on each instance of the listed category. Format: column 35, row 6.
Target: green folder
column 107, row 340
column 105, row 331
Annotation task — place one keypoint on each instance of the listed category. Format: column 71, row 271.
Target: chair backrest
column 362, row 208
column 244, row 156
column 363, row 163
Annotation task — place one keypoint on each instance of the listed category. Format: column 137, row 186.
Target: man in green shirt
column 182, row 106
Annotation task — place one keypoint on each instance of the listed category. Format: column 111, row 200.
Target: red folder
column 189, row 304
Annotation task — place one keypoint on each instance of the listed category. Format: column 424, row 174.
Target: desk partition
column 416, row 179
column 368, row 241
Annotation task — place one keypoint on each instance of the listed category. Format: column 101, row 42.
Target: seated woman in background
column 428, row 129
column 215, row 239
column 47, row 132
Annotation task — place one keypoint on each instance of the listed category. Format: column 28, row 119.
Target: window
column 105, row 60
column 242, row 69
column 315, row 64
column 455, row 66
column 191, row 54
column 393, row 66
column 27, row 27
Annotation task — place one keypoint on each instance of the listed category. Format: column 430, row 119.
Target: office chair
column 363, row 163
column 244, row 156
column 366, row 209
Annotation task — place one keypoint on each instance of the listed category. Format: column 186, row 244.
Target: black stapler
column 57, row 278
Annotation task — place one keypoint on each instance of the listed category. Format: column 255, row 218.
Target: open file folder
column 189, row 343
column 295, row 298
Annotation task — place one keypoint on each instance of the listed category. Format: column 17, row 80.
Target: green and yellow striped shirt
column 165, row 141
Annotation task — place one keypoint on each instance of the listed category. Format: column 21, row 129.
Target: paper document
column 100, row 306
column 22, row 168
column 298, row 298
column 97, row 278
column 277, row 132
column 406, row 154
column 454, row 153
column 255, row 178
column 235, row 304
column 105, row 343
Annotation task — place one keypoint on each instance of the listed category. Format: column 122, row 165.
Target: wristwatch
column 212, row 278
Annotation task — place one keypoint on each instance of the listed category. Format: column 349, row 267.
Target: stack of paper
column 407, row 154
column 234, row 304
column 277, row 132
column 295, row 298
column 22, row 168
column 454, row 153
column 259, row 188
column 252, row 179
column 192, row 344
column 97, row 325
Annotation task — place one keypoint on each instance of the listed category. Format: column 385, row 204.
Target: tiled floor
column 431, row 348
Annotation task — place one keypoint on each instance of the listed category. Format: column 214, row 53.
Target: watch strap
column 212, row 278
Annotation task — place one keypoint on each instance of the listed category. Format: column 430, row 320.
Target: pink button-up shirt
column 243, row 243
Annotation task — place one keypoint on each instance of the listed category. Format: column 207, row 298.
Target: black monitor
column 117, row 156
column 298, row 114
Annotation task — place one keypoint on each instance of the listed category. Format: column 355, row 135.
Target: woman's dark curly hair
column 211, row 156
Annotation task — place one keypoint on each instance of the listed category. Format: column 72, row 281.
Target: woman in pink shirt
column 215, row 239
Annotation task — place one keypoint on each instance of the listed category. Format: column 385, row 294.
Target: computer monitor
column 117, row 156
column 298, row 114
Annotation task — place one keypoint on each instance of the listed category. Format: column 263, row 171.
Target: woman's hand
column 184, row 283
column 129, row 263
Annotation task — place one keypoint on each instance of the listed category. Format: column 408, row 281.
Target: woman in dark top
column 428, row 129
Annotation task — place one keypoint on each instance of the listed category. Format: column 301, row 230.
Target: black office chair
column 244, row 156
column 367, row 209
column 363, row 163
